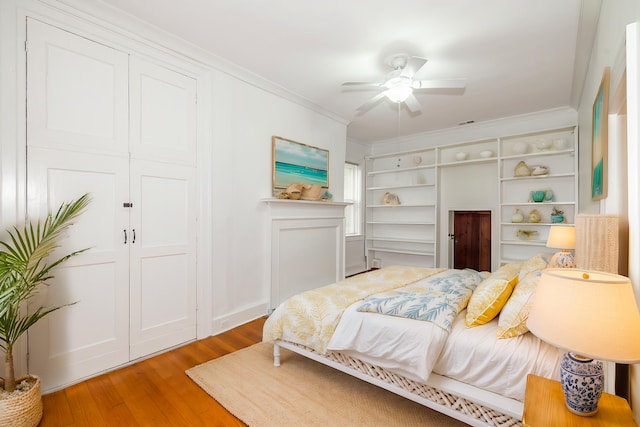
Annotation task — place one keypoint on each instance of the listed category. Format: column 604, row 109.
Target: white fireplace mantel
column 305, row 245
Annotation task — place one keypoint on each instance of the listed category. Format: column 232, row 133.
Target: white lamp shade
column 590, row 313
column 562, row 237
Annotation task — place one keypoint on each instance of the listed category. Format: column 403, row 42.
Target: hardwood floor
column 154, row 392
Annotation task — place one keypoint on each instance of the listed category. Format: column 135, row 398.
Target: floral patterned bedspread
column 437, row 300
column 310, row 318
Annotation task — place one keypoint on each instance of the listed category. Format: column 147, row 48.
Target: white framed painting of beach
column 294, row 162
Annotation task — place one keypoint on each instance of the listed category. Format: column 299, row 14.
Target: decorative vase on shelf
column 537, row 196
column 517, row 216
column 522, row 169
column 548, row 195
column 534, row 216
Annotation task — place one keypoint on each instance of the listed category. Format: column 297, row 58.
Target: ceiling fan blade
column 361, row 84
column 414, row 63
column 370, row 103
column 412, row 104
column 439, row 84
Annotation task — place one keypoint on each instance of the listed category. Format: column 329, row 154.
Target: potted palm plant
column 24, row 268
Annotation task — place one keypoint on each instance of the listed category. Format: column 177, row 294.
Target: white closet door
column 87, row 133
column 77, row 92
column 163, row 114
column 163, row 262
column 92, row 335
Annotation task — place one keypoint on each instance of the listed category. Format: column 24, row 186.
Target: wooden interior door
column 472, row 240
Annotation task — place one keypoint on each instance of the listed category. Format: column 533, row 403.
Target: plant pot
column 557, row 218
column 22, row 409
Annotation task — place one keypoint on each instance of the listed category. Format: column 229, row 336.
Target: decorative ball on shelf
column 534, row 216
column 543, row 144
column 520, row 147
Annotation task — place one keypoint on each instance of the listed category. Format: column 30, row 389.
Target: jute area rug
column 302, row 392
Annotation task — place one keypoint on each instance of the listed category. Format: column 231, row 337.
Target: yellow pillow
column 514, row 315
column 491, row 295
column 536, row 263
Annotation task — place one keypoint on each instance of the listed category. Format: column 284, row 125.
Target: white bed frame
column 463, row 402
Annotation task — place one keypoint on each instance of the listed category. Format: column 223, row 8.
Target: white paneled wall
column 307, row 246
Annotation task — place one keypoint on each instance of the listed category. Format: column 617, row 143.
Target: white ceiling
column 518, row 56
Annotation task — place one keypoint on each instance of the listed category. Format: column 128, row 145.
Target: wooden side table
column 544, row 407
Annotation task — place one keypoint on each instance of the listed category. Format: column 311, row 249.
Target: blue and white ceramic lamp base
column 582, row 381
column 563, row 259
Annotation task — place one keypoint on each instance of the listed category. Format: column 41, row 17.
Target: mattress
column 475, row 356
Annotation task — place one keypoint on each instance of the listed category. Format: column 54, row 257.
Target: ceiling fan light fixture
column 398, row 93
column 398, row 85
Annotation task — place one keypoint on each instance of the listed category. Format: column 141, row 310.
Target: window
column 353, row 195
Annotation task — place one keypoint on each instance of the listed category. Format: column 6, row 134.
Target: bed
column 452, row 340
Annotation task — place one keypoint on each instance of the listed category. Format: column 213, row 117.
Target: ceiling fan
column 399, row 84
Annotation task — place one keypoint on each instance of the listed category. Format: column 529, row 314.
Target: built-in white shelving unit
column 407, row 233
column 557, row 151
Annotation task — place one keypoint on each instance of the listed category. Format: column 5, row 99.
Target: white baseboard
column 231, row 320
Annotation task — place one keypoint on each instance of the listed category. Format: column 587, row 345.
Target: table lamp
column 593, row 315
column 562, row 237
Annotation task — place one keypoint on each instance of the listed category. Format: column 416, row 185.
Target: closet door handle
column 134, row 236
column 125, row 236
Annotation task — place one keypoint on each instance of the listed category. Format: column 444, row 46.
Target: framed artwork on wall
column 599, row 140
column 294, row 162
